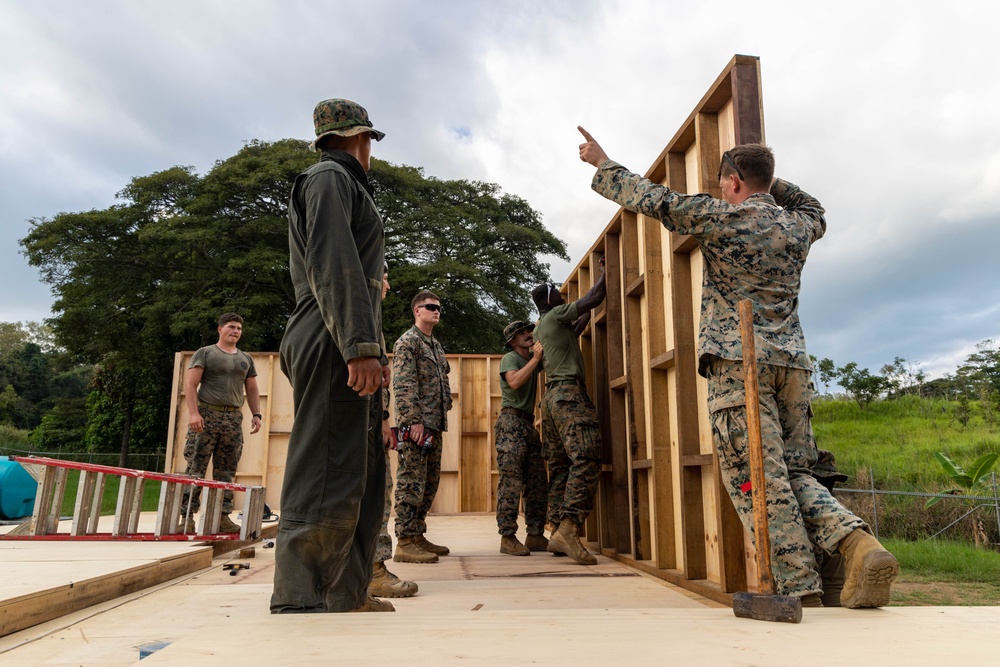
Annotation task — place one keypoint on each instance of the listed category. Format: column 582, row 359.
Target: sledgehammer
column 763, row 605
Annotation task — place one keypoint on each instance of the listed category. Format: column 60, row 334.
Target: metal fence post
column 996, row 499
column 871, row 479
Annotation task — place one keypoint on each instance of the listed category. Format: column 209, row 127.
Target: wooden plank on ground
column 65, row 584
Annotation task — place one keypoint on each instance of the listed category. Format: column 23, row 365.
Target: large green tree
column 148, row 276
column 471, row 244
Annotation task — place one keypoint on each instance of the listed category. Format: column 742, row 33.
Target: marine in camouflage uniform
column 519, row 449
column 384, row 583
column 217, row 378
column 423, row 399
column 570, row 429
column 333, row 491
column 755, row 242
column 383, row 546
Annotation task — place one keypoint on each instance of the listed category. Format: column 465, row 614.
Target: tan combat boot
column 409, row 551
column 427, row 545
column 566, row 540
column 190, row 528
column 536, row 543
column 374, row 604
column 226, row 525
column 387, row 585
column 510, row 545
column 870, row 571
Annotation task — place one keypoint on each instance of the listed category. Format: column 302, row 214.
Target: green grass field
column 150, row 494
column 897, row 440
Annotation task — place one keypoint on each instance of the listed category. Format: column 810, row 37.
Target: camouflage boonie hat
column 513, row 329
column 343, row 118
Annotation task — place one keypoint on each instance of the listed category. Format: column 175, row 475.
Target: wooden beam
column 618, row 447
column 663, row 361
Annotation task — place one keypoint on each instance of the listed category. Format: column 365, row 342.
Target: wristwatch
column 257, row 415
column 385, row 415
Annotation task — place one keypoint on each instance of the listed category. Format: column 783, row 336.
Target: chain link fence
column 140, row 461
column 903, row 514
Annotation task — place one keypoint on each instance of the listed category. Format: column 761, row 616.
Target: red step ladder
column 170, row 515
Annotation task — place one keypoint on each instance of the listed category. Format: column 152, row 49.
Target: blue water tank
column 17, row 490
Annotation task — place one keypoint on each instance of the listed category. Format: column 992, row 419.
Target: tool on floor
column 764, row 605
column 233, row 568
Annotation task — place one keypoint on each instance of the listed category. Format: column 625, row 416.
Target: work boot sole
column 515, row 552
column 434, row 548
column 394, row 591
column 559, row 547
column 374, row 604
column 878, row 570
column 402, row 558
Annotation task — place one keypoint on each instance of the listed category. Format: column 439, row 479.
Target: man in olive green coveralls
column 334, row 486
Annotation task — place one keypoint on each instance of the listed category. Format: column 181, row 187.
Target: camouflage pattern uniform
column 383, row 546
column 755, row 250
column 570, row 429
column 332, row 498
column 221, row 441
column 519, row 455
column 423, row 396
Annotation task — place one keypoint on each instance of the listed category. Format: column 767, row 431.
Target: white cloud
column 884, row 111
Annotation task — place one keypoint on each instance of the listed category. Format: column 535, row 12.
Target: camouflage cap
column 343, row 118
column 513, row 329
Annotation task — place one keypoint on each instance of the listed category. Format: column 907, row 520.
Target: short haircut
column 423, row 296
column 226, row 318
column 540, row 295
column 756, row 161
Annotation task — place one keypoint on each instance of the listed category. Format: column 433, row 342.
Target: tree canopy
column 149, row 275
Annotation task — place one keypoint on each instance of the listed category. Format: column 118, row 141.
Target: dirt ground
column 915, row 591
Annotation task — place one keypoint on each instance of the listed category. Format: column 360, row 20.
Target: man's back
column 563, row 359
column 753, row 250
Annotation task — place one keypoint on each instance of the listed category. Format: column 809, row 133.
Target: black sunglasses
column 433, row 307
column 732, row 163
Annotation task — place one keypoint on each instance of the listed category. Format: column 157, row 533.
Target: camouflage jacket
column 420, row 381
column 754, row 250
column 336, row 253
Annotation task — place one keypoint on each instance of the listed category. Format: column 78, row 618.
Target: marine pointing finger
column 591, row 151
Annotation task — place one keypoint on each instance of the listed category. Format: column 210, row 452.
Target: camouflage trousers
column 522, row 474
column 805, row 521
column 222, row 442
column 572, row 447
column 383, row 546
column 417, row 477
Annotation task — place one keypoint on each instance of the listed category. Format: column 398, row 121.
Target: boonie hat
column 343, row 118
column 514, row 328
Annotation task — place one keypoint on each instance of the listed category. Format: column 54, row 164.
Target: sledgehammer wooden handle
column 758, row 482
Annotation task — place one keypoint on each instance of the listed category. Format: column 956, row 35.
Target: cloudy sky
column 886, row 112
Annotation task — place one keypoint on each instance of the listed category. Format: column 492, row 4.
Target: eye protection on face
column 433, row 307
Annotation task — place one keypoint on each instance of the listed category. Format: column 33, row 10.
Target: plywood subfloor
column 478, row 607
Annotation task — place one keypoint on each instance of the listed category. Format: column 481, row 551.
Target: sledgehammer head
column 777, row 608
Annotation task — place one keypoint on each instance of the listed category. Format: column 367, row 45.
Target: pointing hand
column 591, row 151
